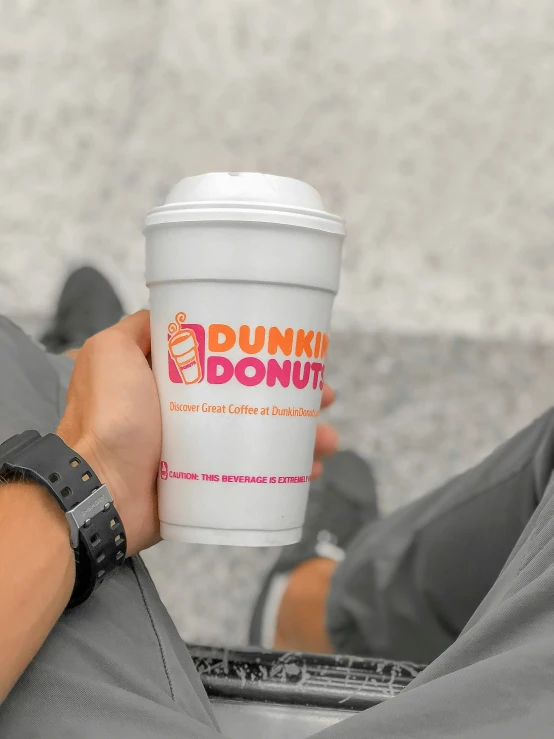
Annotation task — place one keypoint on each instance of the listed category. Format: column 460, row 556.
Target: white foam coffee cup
column 242, row 270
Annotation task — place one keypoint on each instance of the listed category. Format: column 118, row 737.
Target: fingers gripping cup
column 242, row 270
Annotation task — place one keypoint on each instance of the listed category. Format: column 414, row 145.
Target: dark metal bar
column 326, row 681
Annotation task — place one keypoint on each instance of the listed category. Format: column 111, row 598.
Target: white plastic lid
column 245, row 186
column 245, row 196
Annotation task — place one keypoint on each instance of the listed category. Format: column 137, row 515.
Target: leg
column 494, row 681
column 116, row 664
column 290, row 610
column 410, row 582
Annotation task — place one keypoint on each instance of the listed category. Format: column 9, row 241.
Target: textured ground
column 427, row 124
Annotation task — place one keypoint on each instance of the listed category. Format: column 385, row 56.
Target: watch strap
column 97, row 533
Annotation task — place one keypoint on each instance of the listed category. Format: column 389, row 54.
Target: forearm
column 37, row 573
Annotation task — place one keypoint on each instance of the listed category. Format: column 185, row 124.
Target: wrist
column 90, row 450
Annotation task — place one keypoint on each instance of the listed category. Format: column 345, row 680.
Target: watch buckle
column 79, row 516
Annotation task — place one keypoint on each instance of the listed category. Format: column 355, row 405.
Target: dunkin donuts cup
column 242, row 270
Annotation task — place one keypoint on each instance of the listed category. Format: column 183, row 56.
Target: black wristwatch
column 96, row 532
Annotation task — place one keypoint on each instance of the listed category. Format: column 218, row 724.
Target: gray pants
column 116, row 665
column 411, row 582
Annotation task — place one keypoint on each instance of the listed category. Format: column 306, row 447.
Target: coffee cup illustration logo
column 186, row 343
column 164, row 470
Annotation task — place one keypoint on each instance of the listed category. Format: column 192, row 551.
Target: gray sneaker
column 340, row 502
column 87, row 304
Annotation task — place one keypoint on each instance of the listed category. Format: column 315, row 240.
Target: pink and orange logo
column 220, row 353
